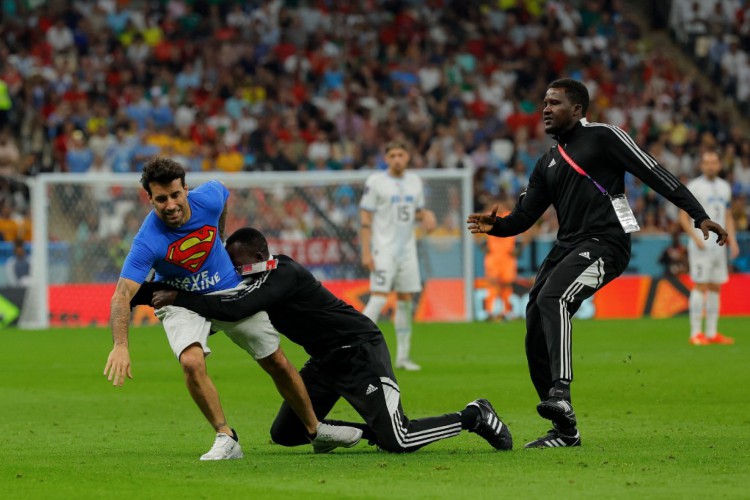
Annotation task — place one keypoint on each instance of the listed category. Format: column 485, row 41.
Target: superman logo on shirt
column 191, row 251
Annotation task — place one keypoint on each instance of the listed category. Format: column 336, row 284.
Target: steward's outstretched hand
column 482, row 223
column 709, row 225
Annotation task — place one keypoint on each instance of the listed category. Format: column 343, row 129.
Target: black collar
column 567, row 135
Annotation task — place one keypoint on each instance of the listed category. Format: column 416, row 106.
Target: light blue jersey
column 190, row 257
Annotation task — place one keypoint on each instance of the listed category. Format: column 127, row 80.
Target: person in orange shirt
column 500, row 270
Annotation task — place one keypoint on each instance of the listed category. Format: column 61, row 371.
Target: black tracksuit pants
column 568, row 276
column 363, row 375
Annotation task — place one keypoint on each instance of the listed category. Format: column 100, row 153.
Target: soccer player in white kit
column 708, row 261
column 392, row 203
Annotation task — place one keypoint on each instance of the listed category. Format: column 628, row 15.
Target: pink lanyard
column 578, row 169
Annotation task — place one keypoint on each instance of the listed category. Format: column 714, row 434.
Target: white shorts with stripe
column 183, row 327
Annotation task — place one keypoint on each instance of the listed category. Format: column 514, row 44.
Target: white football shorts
column 708, row 265
column 397, row 272
column 254, row 334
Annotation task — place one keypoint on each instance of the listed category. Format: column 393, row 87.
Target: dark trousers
column 363, row 376
column 568, row 276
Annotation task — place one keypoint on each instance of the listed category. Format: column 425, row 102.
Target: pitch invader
column 708, row 261
column 391, row 205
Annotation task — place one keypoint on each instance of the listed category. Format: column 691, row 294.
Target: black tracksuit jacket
column 605, row 152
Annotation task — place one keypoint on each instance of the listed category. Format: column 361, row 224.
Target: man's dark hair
column 249, row 239
column 161, row 170
column 575, row 91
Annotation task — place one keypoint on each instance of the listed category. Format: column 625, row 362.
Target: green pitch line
column 659, row 419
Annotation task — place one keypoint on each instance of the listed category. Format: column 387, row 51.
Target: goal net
column 83, row 226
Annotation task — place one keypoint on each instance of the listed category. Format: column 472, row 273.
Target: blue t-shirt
column 190, row 257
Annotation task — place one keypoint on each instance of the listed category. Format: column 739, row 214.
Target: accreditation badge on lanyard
column 619, row 202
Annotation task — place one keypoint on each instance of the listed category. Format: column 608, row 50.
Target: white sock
column 696, row 312
column 374, row 307
column 403, row 328
column 712, row 313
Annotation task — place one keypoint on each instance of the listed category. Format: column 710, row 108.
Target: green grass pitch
column 659, row 419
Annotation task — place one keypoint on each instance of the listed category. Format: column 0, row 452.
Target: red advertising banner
column 443, row 299
column 314, row 251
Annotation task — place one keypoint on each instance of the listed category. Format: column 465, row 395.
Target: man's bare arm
column 427, row 218
column 365, row 232
column 222, row 223
column 734, row 248
column 118, row 362
column 687, row 226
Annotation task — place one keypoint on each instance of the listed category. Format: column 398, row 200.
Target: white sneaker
column 330, row 437
column 408, row 365
column 224, row 448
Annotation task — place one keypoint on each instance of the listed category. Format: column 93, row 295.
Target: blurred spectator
column 78, row 157
column 675, row 257
column 319, row 85
column 10, row 156
column 8, row 222
column 18, row 266
column 120, row 154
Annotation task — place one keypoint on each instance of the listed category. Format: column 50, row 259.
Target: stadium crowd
column 272, row 85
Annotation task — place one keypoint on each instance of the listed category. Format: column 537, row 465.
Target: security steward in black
column 579, row 177
column 349, row 356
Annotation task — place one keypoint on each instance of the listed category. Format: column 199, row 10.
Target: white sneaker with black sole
column 225, row 448
column 329, row 437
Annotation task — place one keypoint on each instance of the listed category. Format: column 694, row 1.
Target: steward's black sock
column 561, row 390
column 235, row 436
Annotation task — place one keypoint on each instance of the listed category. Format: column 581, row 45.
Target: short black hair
column 575, row 91
column 161, row 170
column 250, row 239
column 397, row 144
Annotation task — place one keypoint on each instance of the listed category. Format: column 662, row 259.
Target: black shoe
column 556, row 439
column 558, row 410
column 490, row 427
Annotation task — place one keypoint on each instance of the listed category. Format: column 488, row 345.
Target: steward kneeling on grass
column 348, row 354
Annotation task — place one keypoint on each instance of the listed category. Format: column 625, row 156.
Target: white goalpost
column 83, row 225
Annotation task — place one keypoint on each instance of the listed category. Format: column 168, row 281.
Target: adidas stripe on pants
column 568, row 276
column 363, row 376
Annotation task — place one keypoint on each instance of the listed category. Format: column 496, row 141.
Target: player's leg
column 407, row 282
column 403, row 324
column 493, row 285
column 508, row 276
column 375, row 305
column 697, row 304
column 719, row 274
column 699, row 270
column 381, row 283
column 187, row 333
